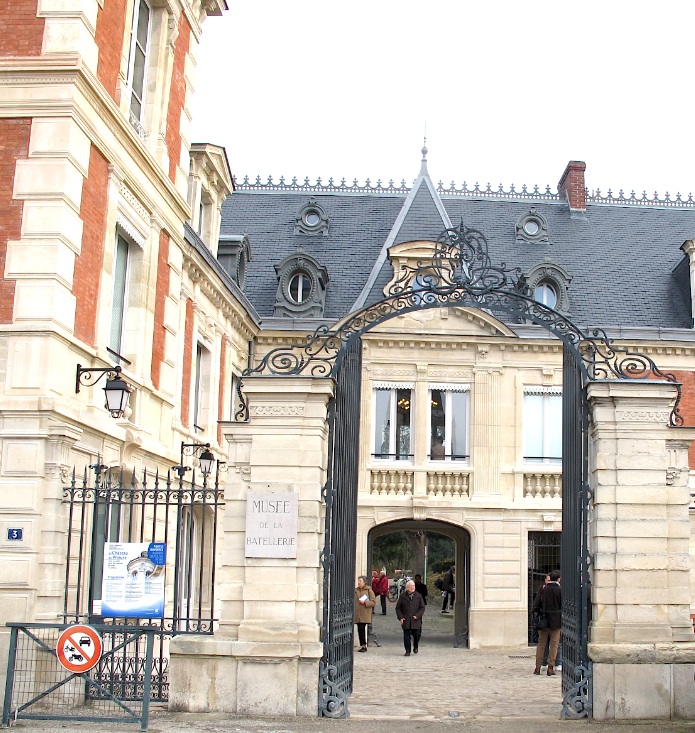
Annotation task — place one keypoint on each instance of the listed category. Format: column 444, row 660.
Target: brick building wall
column 162, row 290
column 177, row 97
column 21, row 32
column 89, row 263
column 109, row 35
column 14, row 145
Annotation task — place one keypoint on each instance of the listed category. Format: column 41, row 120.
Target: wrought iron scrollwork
column 333, row 701
column 460, row 273
column 576, row 703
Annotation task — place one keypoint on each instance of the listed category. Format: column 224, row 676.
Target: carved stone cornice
column 276, row 410
column 653, row 416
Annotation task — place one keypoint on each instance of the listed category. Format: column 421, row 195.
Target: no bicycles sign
column 79, row 648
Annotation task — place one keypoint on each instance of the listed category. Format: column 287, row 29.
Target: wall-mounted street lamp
column 206, row 459
column 116, row 389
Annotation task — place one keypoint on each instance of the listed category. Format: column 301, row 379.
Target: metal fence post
column 144, row 721
column 9, row 681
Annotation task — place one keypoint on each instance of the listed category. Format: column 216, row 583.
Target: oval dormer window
column 299, row 287
column 532, row 227
column 312, row 218
column 546, row 293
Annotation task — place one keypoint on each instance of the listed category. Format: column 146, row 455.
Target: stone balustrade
column 448, row 483
column 542, row 485
column 391, row 482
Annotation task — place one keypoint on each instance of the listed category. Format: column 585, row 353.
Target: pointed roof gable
column 422, row 216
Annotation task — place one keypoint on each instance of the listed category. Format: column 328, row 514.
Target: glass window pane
column 403, row 404
column 120, row 275
column 553, row 425
column 143, row 23
column 533, row 427
column 438, row 424
column 382, row 423
column 459, row 419
column 139, row 73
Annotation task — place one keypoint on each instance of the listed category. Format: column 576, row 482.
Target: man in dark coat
column 548, row 603
column 449, row 588
column 420, row 587
column 409, row 610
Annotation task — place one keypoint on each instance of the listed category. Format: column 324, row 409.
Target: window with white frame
column 201, row 392
column 542, row 425
column 119, row 302
column 137, row 62
column 392, row 422
column 448, row 422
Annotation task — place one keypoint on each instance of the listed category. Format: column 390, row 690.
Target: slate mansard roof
column 621, row 256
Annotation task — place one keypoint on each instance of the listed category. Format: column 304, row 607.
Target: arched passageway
column 457, row 633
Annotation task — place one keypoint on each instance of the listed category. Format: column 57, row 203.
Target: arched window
column 299, row 287
column 545, row 293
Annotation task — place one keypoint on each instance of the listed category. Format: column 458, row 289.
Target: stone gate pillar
column 640, row 635
column 264, row 656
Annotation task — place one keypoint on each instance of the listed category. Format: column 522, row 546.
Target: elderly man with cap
column 409, row 610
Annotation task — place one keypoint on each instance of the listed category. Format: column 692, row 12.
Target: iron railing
column 38, row 687
column 178, row 513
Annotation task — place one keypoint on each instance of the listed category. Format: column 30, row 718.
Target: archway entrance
column 459, row 274
column 458, row 630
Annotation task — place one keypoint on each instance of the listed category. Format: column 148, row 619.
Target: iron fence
column 38, row 687
column 152, row 509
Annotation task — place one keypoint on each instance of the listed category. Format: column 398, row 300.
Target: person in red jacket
column 383, row 591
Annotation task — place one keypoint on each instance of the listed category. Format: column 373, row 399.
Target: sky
column 508, row 92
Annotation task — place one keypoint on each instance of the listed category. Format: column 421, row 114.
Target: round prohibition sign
column 79, row 648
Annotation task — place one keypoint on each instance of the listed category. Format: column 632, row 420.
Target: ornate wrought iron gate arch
column 460, row 274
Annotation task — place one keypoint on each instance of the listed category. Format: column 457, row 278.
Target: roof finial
column 424, row 144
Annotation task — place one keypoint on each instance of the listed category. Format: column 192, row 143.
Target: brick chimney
column 572, row 186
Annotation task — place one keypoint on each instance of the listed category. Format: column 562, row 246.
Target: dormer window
column 311, row 219
column 234, row 253
column 532, row 227
column 545, row 293
column 549, row 284
column 301, row 287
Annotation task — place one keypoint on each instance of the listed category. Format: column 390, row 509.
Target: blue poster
column 133, row 580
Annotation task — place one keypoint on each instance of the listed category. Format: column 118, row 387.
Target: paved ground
column 439, row 690
column 443, row 682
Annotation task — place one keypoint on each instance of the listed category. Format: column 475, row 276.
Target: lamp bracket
column 90, row 376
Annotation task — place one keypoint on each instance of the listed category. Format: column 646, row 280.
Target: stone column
column 640, row 544
column 264, row 656
column 485, row 432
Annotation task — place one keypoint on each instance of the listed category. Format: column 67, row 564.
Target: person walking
column 449, row 588
column 375, row 582
column 364, row 603
column 537, row 603
column 410, row 608
column 383, row 590
column 548, row 607
column 420, row 587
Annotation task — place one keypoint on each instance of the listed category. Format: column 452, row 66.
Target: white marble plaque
column 271, row 524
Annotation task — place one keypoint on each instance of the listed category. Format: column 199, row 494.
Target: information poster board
column 133, row 579
column 271, row 524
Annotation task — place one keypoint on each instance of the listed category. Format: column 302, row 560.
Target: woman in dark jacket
column 548, row 604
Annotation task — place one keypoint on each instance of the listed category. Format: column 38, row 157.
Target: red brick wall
column 177, row 96
column 21, row 32
column 109, row 35
column 88, row 265
column 223, row 384
column 187, row 365
column 14, row 145
column 159, row 336
column 687, row 406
